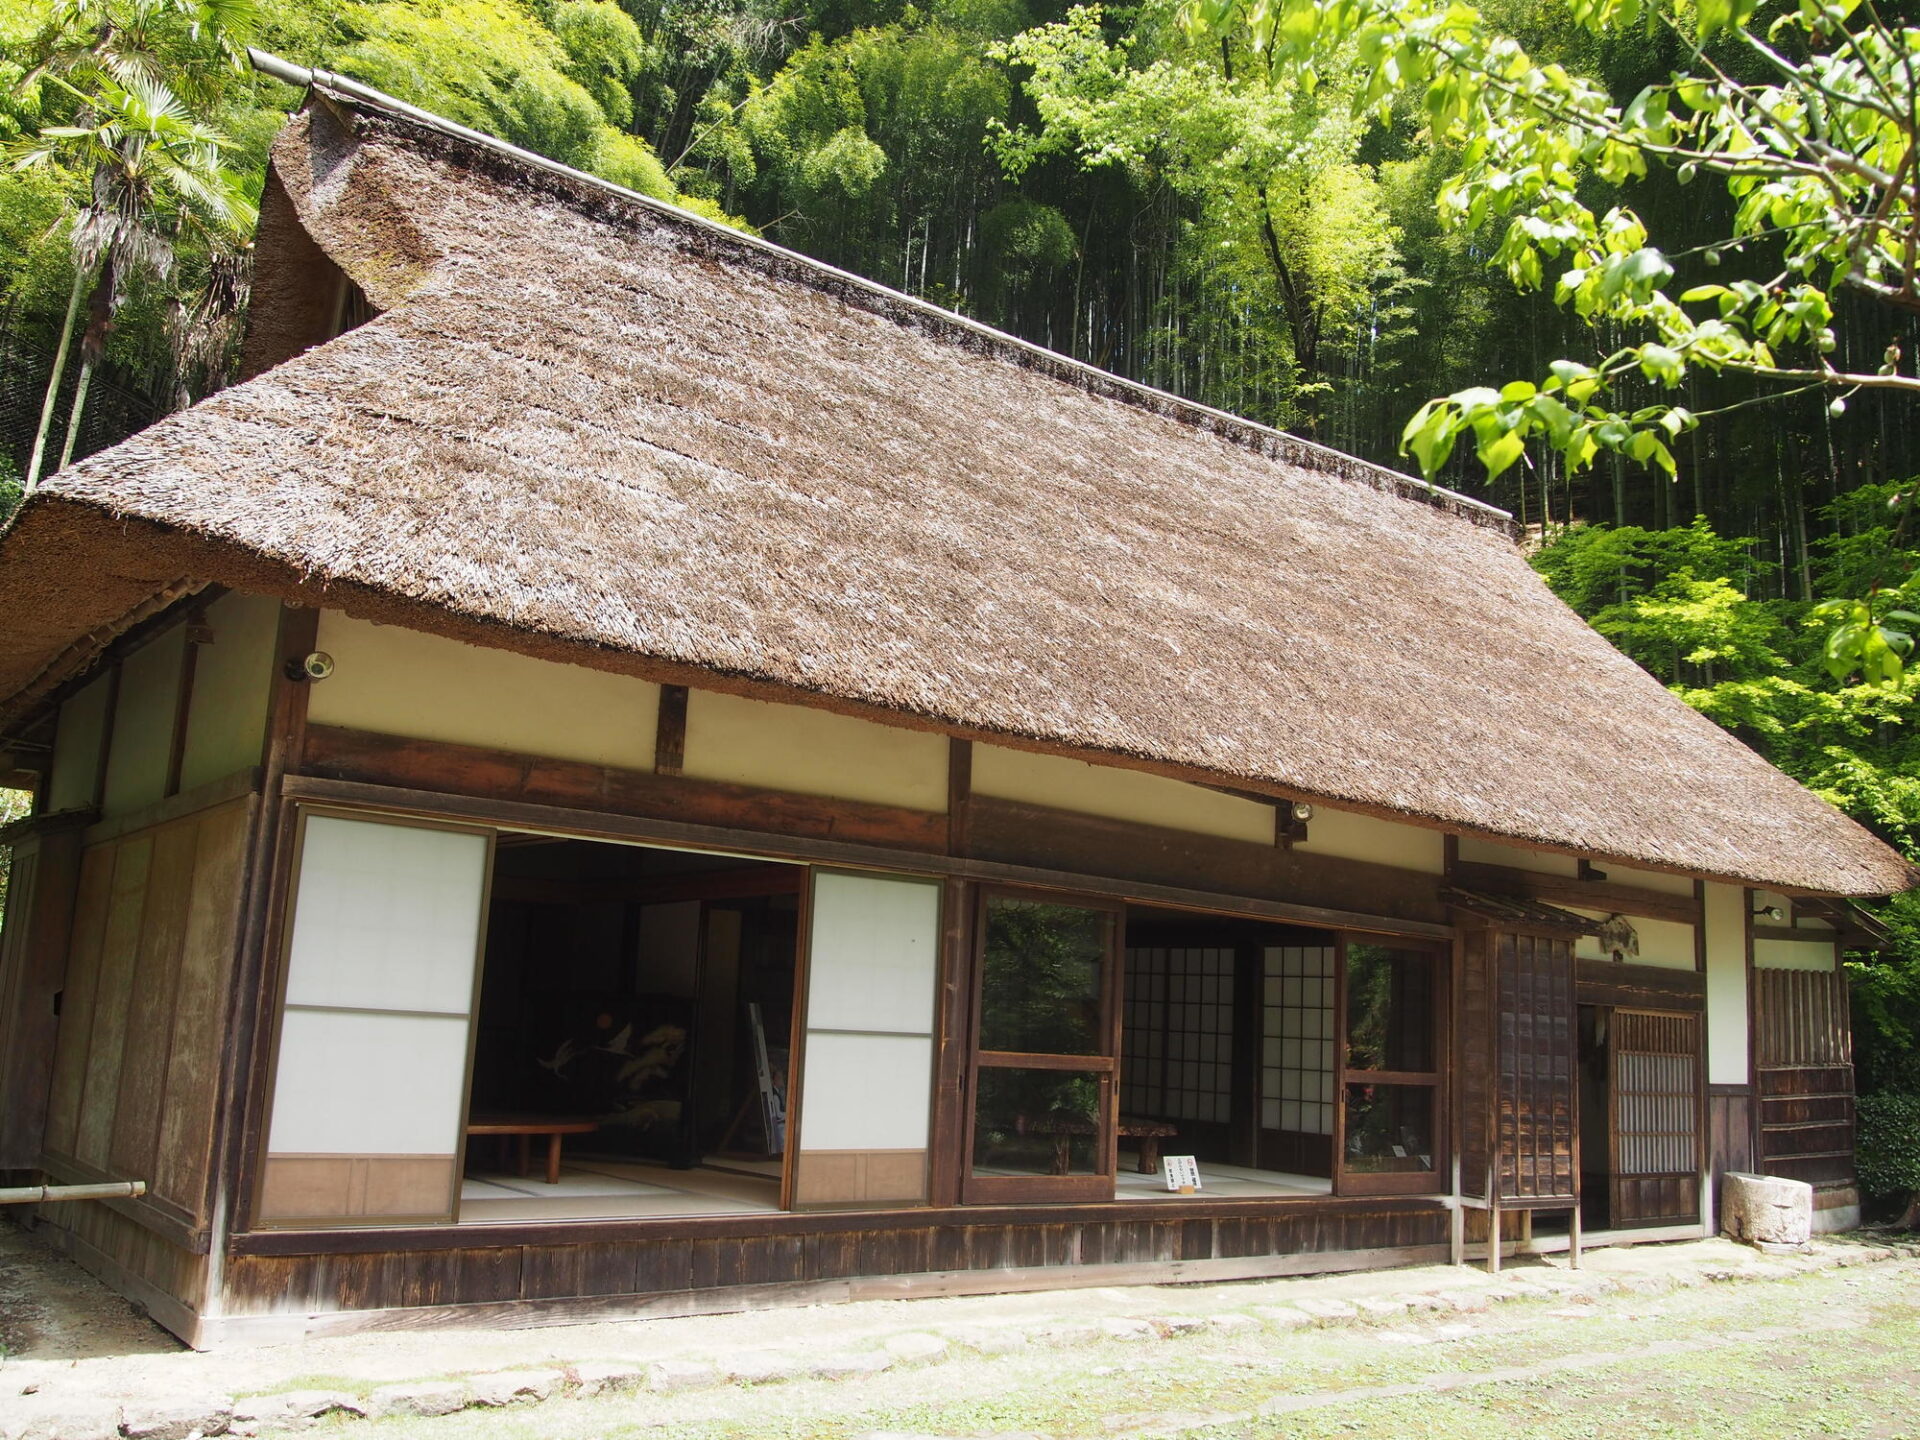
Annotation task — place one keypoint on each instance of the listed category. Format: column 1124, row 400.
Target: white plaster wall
column 813, row 752
column 1662, row 942
column 76, row 747
column 1475, row 851
column 1794, row 955
column 143, row 719
column 232, row 687
column 396, row 681
column 1067, row 784
column 1726, row 923
column 1384, row 842
column 1648, row 879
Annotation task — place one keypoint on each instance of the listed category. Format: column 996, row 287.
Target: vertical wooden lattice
column 1656, row 1104
column 1800, row 1018
column 1535, row 1124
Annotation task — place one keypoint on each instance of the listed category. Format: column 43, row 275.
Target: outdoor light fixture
column 1302, row 811
column 317, row 666
column 1770, row 912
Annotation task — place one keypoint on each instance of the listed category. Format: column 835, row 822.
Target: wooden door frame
column 1022, row 1189
column 1696, row 1020
column 1437, row 1081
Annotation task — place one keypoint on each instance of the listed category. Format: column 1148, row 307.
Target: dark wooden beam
column 522, row 815
column 1638, row 987
column 959, row 794
column 469, row 770
column 428, row 1238
column 1581, row 894
column 670, row 734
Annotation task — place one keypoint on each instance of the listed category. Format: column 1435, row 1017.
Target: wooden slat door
column 1654, row 1127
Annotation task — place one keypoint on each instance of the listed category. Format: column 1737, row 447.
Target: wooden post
column 1457, row 1220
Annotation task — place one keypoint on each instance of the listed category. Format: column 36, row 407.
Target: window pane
column 1389, row 1128
column 1036, row 1122
column 1040, row 994
column 1389, row 1009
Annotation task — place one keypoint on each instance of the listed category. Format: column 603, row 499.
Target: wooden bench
column 1148, row 1132
column 524, row 1128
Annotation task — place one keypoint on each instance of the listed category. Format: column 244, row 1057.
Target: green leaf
column 1501, row 452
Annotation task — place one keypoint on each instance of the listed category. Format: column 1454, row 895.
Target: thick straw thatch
column 592, row 427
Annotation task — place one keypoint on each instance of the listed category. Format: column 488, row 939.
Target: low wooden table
column 1148, row 1132
column 525, row 1127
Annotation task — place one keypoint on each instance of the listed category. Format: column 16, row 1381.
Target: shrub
column 1888, row 1144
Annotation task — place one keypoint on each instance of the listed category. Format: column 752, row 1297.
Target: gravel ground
column 1263, row 1357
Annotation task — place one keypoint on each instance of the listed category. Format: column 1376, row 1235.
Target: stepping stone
column 434, row 1397
column 1327, row 1309
column 682, row 1375
column 608, row 1377
column 515, row 1387
column 1283, row 1317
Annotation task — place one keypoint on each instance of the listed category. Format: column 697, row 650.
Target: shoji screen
column 866, row 1085
column 370, row 1077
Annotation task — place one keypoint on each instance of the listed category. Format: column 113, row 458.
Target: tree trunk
column 53, row 381
column 73, row 415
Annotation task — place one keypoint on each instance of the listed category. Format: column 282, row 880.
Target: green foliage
column 1888, row 1145
column 1674, row 601
column 1272, row 172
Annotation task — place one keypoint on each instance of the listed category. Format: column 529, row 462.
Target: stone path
column 80, row 1365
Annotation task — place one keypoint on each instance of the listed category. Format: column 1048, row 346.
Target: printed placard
column 1183, row 1173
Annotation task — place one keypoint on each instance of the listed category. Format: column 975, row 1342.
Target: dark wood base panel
column 469, row 1267
column 1806, row 1123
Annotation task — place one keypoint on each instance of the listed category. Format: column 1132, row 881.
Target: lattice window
column 1296, row 1039
column 1655, row 1105
column 1177, row 1045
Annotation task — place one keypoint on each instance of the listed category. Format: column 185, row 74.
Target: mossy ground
column 1836, row 1353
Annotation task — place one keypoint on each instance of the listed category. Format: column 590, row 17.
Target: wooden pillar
column 255, row 977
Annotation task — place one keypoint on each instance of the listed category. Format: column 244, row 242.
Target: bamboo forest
column 1362, row 223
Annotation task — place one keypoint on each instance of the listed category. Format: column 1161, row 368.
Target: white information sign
column 1183, row 1173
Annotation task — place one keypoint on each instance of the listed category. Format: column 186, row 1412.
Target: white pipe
column 44, row 1194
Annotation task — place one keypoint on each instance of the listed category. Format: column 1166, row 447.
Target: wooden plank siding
column 33, row 966
column 135, row 1077
column 806, row 1251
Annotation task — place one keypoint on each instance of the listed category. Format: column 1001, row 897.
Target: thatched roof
column 592, row 427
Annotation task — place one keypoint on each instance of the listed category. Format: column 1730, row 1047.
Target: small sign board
column 1183, row 1173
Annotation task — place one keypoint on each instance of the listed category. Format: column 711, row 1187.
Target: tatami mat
column 613, row 1190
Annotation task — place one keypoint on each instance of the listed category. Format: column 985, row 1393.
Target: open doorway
column 1227, row 1054
column 1640, row 1079
column 630, row 1055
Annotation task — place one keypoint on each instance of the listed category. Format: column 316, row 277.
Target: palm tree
column 156, row 174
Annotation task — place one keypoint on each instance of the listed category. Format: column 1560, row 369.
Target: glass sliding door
column 376, row 1023
column 866, row 1085
column 1389, row 1127
column 1046, row 1034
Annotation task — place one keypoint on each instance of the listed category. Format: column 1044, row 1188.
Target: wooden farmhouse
column 626, row 771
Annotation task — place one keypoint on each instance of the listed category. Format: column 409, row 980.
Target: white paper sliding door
column 370, row 1073
column 866, row 1086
